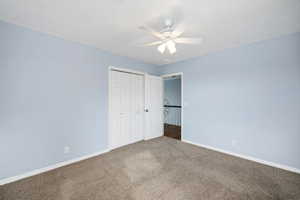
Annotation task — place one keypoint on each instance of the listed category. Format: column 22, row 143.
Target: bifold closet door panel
column 137, row 108
column 117, row 81
column 115, row 89
column 120, row 109
column 127, row 104
column 125, row 112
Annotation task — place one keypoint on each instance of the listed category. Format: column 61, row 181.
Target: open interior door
column 153, row 106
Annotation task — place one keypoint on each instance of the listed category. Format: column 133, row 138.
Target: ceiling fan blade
column 152, row 43
column 152, row 32
column 176, row 33
column 184, row 40
column 179, row 29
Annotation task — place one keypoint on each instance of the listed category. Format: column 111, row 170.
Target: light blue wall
column 172, row 93
column 53, row 93
column 250, row 95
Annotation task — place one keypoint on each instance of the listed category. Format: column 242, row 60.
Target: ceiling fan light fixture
column 171, row 46
column 169, row 36
column 161, row 48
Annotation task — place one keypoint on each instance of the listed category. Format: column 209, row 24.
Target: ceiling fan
column 168, row 37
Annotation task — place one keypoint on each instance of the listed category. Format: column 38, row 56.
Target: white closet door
column 137, row 108
column 154, row 106
column 119, row 109
column 126, row 108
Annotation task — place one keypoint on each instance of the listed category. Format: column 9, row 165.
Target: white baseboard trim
column 272, row 164
column 48, row 168
column 152, row 137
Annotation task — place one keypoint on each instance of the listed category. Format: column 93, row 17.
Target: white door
column 154, row 106
column 126, row 108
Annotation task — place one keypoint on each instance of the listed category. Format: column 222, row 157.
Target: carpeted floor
column 162, row 168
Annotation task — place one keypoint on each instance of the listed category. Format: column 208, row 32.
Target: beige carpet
column 161, row 168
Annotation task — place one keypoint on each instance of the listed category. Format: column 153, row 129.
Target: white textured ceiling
column 112, row 25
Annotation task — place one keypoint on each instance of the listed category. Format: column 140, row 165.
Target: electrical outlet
column 66, row 149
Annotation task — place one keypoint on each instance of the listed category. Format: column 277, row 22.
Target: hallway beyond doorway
column 172, row 106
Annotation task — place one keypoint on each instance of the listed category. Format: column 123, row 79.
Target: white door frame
column 182, row 104
column 110, row 69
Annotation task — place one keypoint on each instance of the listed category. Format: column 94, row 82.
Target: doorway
column 172, row 105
